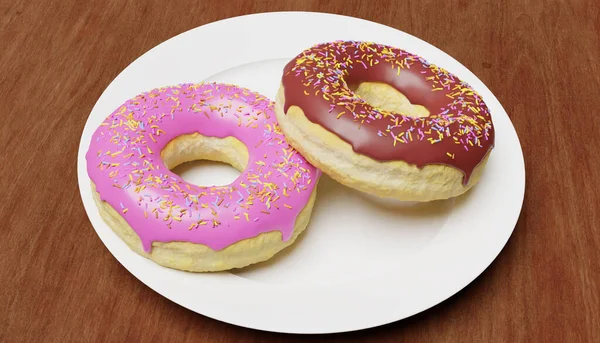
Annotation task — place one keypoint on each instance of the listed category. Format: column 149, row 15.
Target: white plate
column 361, row 263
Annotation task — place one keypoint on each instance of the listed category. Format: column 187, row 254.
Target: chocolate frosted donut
column 385, row 121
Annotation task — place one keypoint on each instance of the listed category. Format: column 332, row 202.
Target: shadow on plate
column 332, row 192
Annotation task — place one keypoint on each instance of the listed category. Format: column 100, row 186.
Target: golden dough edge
column 336, row 158
column 194, row 257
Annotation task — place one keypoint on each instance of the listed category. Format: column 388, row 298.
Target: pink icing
column 124, row 163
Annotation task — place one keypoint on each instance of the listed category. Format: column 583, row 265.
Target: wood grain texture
column 59, row 283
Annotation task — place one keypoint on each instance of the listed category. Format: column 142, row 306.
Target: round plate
column 362, row 262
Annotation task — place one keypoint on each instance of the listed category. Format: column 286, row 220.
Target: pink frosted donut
column 188, row 227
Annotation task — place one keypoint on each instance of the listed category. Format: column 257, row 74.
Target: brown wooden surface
column 59, row 282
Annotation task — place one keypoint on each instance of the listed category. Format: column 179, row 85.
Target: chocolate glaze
column 458, row 133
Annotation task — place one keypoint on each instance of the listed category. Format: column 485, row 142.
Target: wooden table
column 59, row 282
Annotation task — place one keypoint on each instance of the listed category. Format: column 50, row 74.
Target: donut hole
column 205, row 161
column 386, row 97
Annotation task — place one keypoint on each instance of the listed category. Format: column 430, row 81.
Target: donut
column 188, row 227
column 384, row 121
